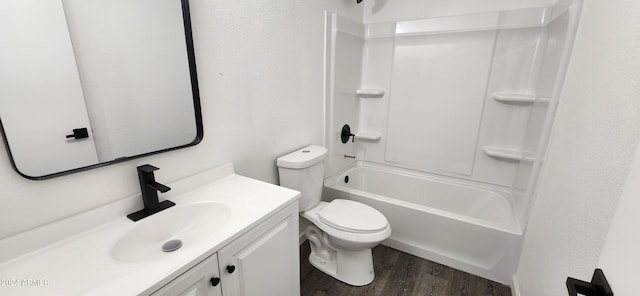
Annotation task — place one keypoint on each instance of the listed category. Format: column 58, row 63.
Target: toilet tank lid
column 303, row 158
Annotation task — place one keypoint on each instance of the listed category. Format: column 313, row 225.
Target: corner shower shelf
column 370, row 93
column 368, row 136
column 503, row 153
column 519, row 99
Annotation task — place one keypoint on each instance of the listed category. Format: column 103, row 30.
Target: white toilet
column 343, row 231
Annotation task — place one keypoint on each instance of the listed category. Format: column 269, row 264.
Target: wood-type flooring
column 398, row 273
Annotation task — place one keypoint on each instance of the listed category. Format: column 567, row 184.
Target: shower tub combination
column 451, row 116
column 458, row 223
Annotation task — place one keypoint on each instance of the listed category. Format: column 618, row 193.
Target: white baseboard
column 515, row 288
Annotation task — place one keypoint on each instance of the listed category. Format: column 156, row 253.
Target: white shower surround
column 531, row 49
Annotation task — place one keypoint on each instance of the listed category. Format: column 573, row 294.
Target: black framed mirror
column 88, row 83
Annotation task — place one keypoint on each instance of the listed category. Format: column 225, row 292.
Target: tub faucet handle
column 345, row 134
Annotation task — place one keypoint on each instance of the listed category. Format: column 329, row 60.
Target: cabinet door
column 197, row 281
column 265, row 261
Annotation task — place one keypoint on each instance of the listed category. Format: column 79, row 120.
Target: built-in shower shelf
column 368, row 136
column 514, row 98
column 370, row 93
column 520, row 99
column 503, row 153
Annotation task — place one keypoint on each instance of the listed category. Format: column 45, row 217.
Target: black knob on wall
column 231, row 268
column 214, row 281
column 345, row 134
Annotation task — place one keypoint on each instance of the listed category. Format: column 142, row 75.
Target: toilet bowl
column 342, row 248
column 342, row 232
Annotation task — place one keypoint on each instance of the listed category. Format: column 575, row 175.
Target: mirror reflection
column 85, row 83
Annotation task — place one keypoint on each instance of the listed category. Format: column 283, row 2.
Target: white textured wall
column 378, row 11
column 260, row 65
column 593, row 143
column 623, row 240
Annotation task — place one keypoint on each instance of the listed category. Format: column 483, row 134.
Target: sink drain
column 172, row 245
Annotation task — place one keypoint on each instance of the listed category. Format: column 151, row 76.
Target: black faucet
column 149, row 188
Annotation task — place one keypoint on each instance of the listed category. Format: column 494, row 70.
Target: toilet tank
column 303, row 170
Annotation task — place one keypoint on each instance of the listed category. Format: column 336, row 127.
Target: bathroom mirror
column 87, row 83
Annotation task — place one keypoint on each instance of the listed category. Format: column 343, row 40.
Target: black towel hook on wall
column 599, row 286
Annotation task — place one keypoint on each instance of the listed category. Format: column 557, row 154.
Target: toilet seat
column 352, row 216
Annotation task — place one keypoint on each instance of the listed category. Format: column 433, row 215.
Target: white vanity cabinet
column 223, row 219
column 262, row 262
column 265, row 261
column 197, row 281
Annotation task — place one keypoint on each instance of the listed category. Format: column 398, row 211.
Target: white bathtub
column 464, row 225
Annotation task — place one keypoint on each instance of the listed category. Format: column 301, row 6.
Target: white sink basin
column 189, row 223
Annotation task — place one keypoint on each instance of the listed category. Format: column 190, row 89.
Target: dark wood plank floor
column 398, row 273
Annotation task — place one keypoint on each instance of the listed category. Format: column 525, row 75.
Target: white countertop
column 81, row 264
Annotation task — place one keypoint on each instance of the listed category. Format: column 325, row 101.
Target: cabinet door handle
column 214, row 281
column 231, row 268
